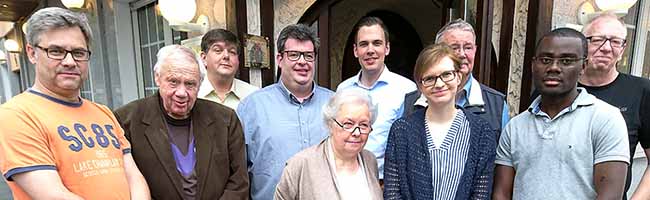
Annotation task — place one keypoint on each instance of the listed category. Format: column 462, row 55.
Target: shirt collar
column 583, row 99
column 473, row 96
column 292, row 98
column 384, row 78
column 421, row 101
column 206, row 88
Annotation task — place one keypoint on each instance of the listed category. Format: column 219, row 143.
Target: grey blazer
column 309, row 175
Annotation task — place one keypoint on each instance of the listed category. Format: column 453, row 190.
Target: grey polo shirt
column 555, row 158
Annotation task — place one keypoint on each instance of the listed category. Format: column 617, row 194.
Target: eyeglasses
column 614, row 42
column 468, row 47
column 350, row 127
column 60, row 53
column 295, row 55
column 564, row 61
column 445, row 77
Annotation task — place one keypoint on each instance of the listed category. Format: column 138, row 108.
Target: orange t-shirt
column 83, row 142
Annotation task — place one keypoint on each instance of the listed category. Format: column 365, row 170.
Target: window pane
column 160, row 26
column 146, row 69
column 625, row 65
column 142, row 23
column 646, row 62
column 151, row 19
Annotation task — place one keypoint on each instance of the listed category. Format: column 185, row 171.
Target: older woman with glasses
column 338, row 167
column 441, row 152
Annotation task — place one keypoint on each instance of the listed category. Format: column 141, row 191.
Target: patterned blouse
column 448, row 160
column 469, row 160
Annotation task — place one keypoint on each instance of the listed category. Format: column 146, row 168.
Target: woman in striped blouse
column 441, row 152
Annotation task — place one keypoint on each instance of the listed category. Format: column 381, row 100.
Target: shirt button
column 304, row 141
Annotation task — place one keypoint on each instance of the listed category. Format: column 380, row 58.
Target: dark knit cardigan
column 407, row 170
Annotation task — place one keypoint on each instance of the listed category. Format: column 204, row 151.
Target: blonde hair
column 431, row 55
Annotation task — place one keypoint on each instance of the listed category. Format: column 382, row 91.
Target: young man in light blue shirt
column 284, row 118
column 386, row 88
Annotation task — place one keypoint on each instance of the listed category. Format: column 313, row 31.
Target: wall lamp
column 587, row 10
column 180, row 13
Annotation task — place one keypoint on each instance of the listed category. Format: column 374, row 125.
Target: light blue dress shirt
column 460, row 102
column 277, row 126
column 388, row 94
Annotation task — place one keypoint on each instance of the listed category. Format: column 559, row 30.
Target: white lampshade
column 621, row 5
column 73, row 3
column 24, row 28
column 12, row 45
column 176, row 11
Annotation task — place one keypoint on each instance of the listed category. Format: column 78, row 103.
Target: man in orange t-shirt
column 54, row 144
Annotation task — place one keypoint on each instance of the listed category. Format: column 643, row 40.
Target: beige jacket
column 309, row 175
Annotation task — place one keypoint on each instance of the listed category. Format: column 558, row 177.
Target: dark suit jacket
column 409, row 103
column 220, row 153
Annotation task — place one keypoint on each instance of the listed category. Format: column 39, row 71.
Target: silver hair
column 605, row 15
column 348, row 96
column 457, row 24
column 175, row 49
column 47, row 19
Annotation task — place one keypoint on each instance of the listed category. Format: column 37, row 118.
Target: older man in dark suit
column 186, row 148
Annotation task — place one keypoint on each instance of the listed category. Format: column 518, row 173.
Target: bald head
column 606, row 21
column 607, row 41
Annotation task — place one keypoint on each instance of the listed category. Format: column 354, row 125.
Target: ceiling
column 14, row 10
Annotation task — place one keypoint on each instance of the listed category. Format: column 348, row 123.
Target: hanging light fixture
column 180, row 13
column 73, row 3
column 177, row 11
column 616, row 5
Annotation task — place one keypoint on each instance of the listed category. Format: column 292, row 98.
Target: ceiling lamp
column 180, row 13
column 618, row 5
column 73, row 3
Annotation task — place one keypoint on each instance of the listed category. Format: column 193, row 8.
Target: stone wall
column 345, row 13
column 423, row 15
column 496, row 25
column 288, row 12
column 565, row 12
column 517, row 55
column 214, row 9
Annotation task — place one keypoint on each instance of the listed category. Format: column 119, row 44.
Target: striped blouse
column 408, row 174
column 448, row 160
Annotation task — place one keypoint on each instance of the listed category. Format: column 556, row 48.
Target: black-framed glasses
column 57, row 53
column 614, row 42
column 445, row 77
column 563, row 61
column 351, row 127
column 295, row 55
